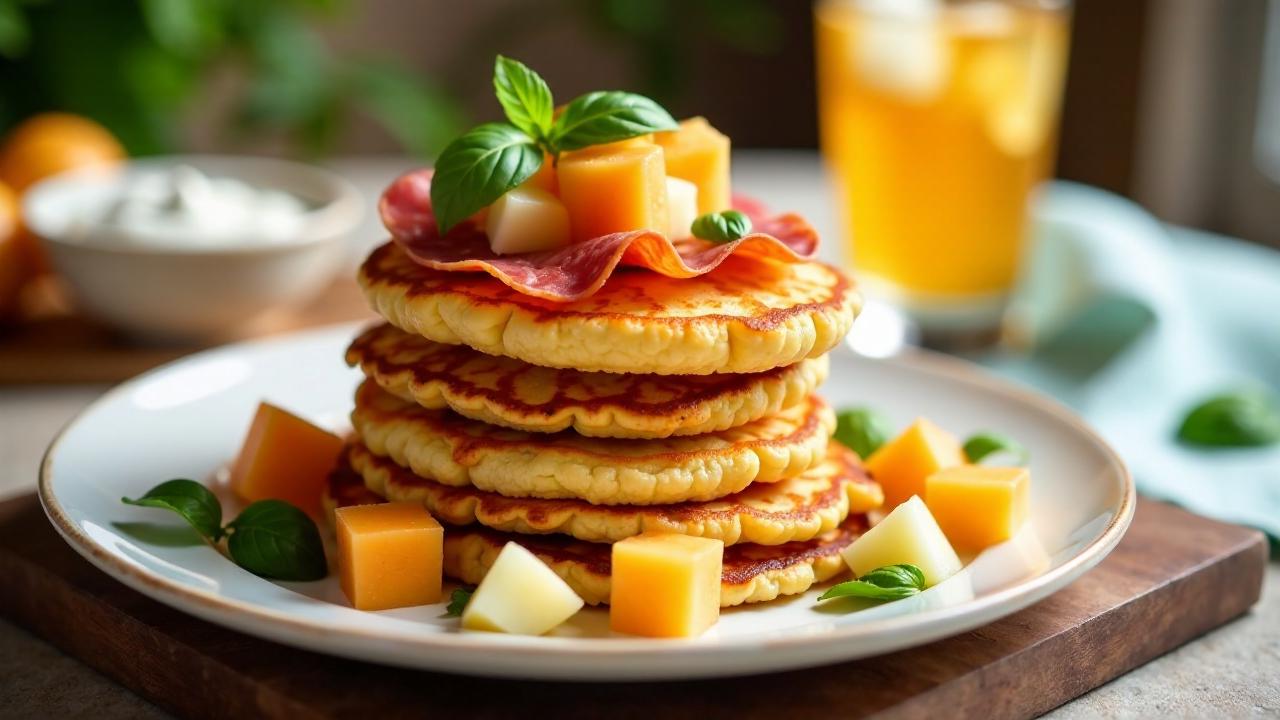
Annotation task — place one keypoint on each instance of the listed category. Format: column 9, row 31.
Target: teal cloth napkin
column 1132, row 323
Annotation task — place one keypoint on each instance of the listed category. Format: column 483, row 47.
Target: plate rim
column 288, row 629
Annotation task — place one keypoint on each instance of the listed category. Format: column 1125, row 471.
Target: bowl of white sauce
column 194, row 247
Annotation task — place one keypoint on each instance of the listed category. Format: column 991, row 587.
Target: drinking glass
column 938, row 119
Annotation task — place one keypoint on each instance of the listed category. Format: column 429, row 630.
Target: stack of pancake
column 656, row 404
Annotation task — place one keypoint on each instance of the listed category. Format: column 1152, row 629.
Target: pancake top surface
column 748, row 315
column 512, row 393
column 798, row 508
column 442, row 446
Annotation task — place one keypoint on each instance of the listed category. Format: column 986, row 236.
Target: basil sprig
column 721, row 227
column 484, row 163
column 863, row 430
column 982, row 444
column 1245, row 418
column 270, row 538
column 891, row 582
column 458, row 600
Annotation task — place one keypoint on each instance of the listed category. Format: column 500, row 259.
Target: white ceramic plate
column 188, row 418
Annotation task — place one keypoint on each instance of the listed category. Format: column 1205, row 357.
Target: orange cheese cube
column 699, row 153
column 545, row 179
column 286, row 458
column 902, row 465
column 665, row 585
column 390, row 555
column 978, row 506
column 613, row 188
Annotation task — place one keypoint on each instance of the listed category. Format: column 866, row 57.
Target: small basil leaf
column 983, row 444
column 524, row 97
column 1247, row 418
column 274, row 539
column 721, row 227
column 458, row 600
column 194, row 502
column 478, row 168
column 604, row 117
column 862, row 430
column 891, row 582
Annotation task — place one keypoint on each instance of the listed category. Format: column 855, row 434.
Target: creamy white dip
column 180, row 206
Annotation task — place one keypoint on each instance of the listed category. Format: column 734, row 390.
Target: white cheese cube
column 520, row 595
column 527, row 219
column 909, row 534
column 682, row 207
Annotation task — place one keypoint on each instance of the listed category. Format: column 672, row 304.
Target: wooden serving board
column 1173, row 577
column 54, row 344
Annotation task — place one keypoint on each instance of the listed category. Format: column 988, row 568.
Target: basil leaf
column 983, row 444
column 274, row 539
column 609, row 116
column 524, row 97
column 194, row 502
column 891, row 582
column 862, row 430
column 721, row 227
column 1246, row 418
column 458, row 600
column 478, row 168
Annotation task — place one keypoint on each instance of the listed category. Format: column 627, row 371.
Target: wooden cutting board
column 1173, row 577
column 54, row 344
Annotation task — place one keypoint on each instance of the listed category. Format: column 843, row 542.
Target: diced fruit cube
column 286, row 458
column 545, row 178
column 390, row 555
column 978, row 506
column 682, row 207
column 527, row 219
column 609, row 189
column 665, row 585
column 902, row 464
column 909, row 534
column 520, row 595
column 699, row 153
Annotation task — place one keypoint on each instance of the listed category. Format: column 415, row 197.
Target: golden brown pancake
column 746, row 316
column 512, row 393
column 795, row 509
column 752, row 573
column 448, row 448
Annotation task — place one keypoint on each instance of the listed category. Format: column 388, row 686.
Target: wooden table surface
column 1232, row 671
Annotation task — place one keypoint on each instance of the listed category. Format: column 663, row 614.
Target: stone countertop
column 1232, row 671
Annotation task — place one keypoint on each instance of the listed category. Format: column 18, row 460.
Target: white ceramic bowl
column 194, row 293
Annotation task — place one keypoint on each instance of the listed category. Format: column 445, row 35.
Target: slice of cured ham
column 577, row 271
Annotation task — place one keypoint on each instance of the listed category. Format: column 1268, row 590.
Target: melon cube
column 909, row 534
column 609, row 189
column 903, row 464
column 978, row 506
column 682, row 207
column 520, row 595
column 665, row 585
column 390, row 555
column 545, row 179
column 699, row 153
column 286, row 458
column 527, row 219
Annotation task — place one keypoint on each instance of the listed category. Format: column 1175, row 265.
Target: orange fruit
column 15, row 260
column 50, row 143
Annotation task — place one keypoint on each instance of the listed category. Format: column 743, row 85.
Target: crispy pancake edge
column 738, row 400
column 845, row 488
column 554, row 335
column 435, row 444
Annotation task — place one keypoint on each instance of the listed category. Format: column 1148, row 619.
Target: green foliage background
column 134, row 65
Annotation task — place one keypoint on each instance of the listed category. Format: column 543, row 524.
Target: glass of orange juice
column 938, row 118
